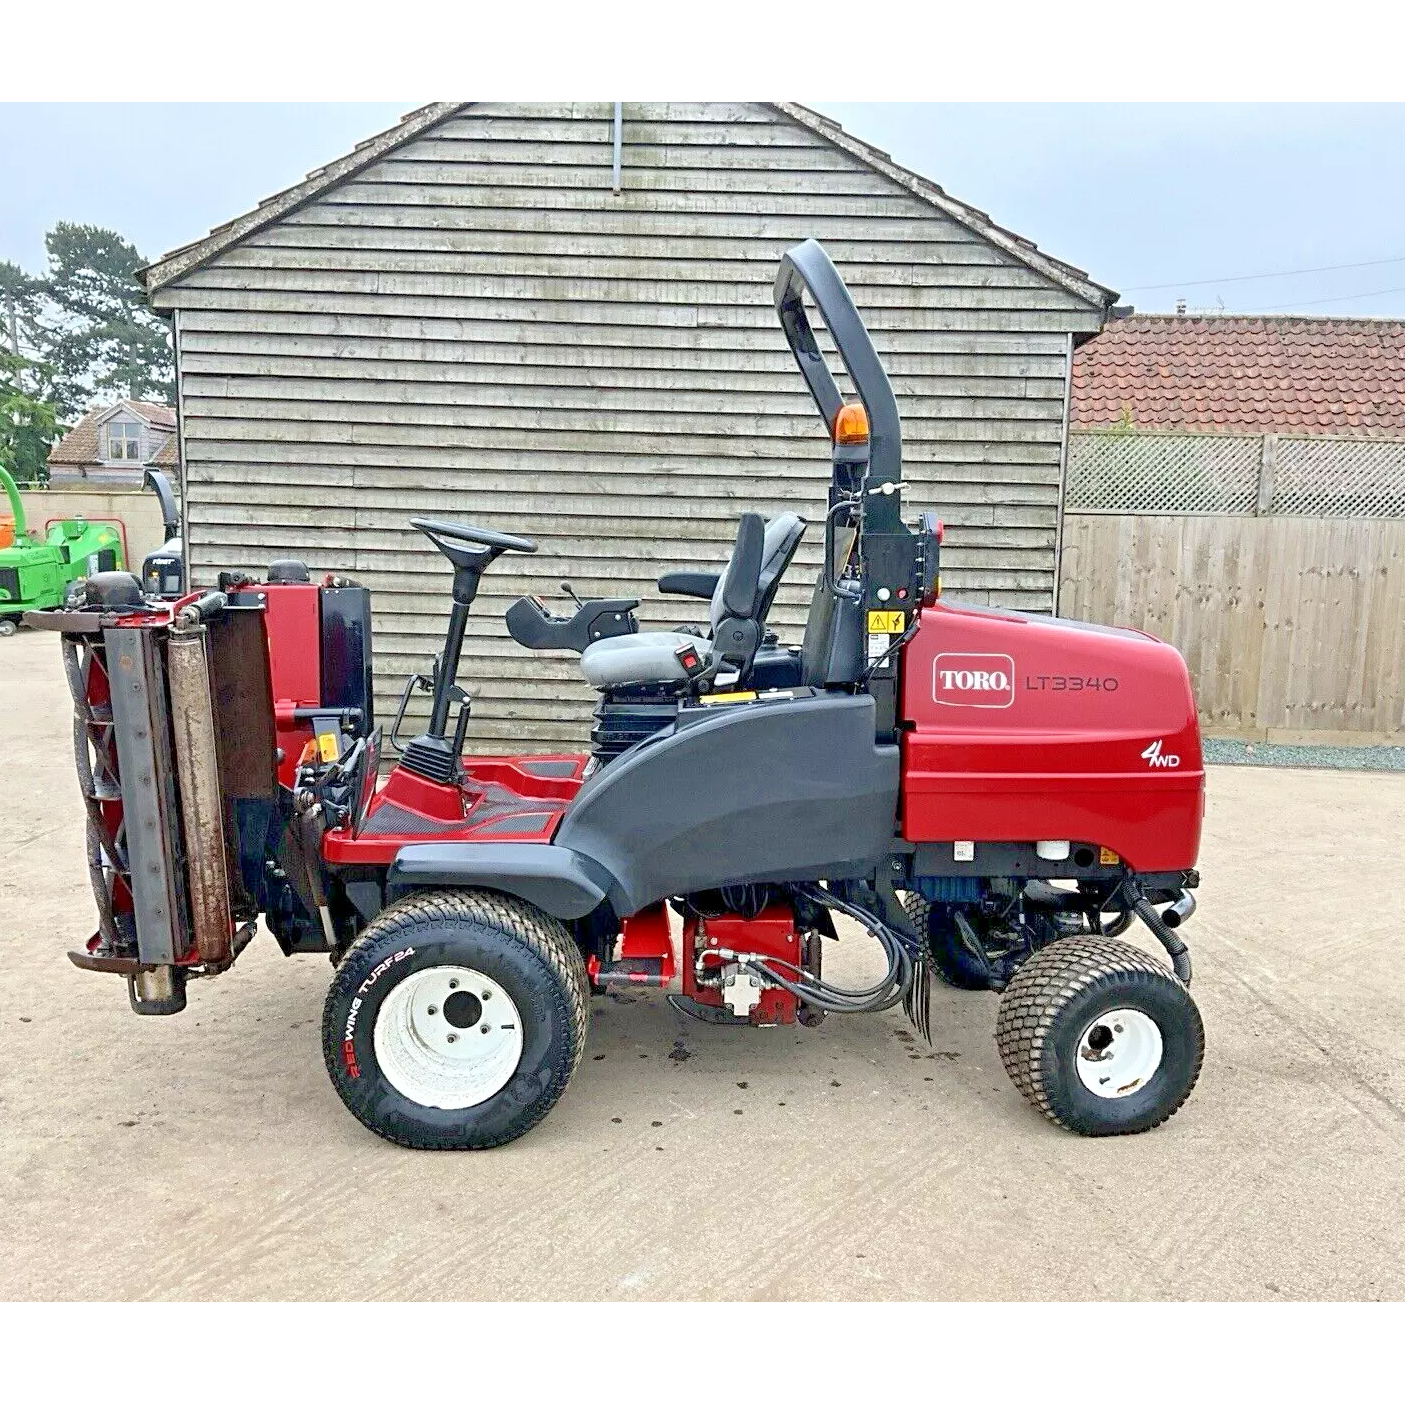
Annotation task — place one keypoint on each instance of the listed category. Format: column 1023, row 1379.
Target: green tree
column 102, row 339
column 21, row 307
column 28, row 426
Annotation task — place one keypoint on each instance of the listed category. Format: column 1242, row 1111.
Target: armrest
column 699, row 584
column 532, row 626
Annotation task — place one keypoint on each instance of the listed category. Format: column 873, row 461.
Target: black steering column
column 470, row 551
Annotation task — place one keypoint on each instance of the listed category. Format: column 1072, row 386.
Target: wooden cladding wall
column 477, row 327
column 1288, row 624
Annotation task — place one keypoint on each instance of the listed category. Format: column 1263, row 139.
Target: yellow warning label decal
column 1107, row 857
column 710, row 698
column 328, row 748
column 886, row 621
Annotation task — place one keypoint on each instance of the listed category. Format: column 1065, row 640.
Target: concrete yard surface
column 207, row 1156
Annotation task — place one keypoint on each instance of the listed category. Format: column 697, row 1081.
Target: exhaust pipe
column 1175, row 947
column 1180, row 911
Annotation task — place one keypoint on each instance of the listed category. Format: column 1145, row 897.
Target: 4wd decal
column 348, row 1045
column 973, row 680
column 1154, row 756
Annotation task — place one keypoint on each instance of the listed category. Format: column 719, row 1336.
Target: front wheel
column 1100, row 1037
column 8, row 626
column 456, row 1020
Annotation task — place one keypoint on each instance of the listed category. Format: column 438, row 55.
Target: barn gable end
column 466, row 321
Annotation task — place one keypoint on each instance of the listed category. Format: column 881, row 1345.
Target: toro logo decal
column 973, row 680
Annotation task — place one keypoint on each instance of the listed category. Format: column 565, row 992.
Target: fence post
column 1268, row 471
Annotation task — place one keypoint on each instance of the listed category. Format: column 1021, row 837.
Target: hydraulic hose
column 833, row 999
column 1175, row 947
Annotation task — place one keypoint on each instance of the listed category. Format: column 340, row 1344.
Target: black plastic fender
column 559, row 881
column 780, row 791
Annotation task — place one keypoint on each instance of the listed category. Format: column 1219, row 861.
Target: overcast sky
column 1180, row 195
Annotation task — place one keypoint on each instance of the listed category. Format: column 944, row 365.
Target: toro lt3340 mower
column 989, row 794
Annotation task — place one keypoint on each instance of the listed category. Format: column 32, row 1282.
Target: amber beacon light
column 851, row 425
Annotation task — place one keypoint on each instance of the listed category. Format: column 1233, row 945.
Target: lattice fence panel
column 1212, row 473
column 1169, row 473
column 1339, row 478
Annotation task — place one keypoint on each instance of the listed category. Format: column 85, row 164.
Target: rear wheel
column 952, row 962
column 1100, row 1037
column 7, row 626
column 456, row 1020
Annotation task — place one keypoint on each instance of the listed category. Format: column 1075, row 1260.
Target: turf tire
column 1053, row 999
column 530, row 954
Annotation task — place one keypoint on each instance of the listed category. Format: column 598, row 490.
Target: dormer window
column 123, row 441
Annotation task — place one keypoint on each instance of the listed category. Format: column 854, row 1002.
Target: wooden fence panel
column 1290, row 626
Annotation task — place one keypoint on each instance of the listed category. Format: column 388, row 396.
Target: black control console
column 533, row 626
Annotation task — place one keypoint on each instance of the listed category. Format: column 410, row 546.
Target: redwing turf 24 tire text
column 456, row 1020
column 1100, row 1037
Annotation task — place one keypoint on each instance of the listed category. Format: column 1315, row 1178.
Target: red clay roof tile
column 80, row 444
column 1250, row 375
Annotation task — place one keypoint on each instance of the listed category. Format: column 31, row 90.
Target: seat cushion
column 639, row 658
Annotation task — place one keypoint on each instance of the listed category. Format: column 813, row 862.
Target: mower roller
column 992, row 797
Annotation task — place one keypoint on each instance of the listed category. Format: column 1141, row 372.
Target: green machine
column 38, row 575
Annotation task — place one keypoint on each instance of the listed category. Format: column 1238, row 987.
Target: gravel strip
column 1226, row 751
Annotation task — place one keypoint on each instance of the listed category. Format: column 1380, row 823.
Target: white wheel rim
column 448, row 1037
column 1119, row 1053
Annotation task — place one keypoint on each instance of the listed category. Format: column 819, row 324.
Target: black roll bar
column 807, row 266
column 159, row 484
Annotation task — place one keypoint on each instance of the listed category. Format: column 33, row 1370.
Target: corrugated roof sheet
column 1256, row 375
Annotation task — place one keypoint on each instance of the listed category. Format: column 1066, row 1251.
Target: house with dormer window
column 112, row 444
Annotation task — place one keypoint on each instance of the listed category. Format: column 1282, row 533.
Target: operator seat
column 783, row 533
column 743, row 592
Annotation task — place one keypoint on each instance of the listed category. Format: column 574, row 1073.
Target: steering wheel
column 479, row 536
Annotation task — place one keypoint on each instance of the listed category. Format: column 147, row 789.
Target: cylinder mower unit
column 990, row 797
column 40, row 575
column 193, row 721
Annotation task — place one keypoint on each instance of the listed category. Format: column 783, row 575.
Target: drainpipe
column 1063, row 471
column 619, row 144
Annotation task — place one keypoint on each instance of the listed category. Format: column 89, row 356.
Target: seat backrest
column 783, row 533
column 832, row 654
column 780, row 537
column 738, row 592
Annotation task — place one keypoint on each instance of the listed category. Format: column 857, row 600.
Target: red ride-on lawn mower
column 989, row 795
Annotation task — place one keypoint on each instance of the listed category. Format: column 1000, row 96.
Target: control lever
column 575, row 599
